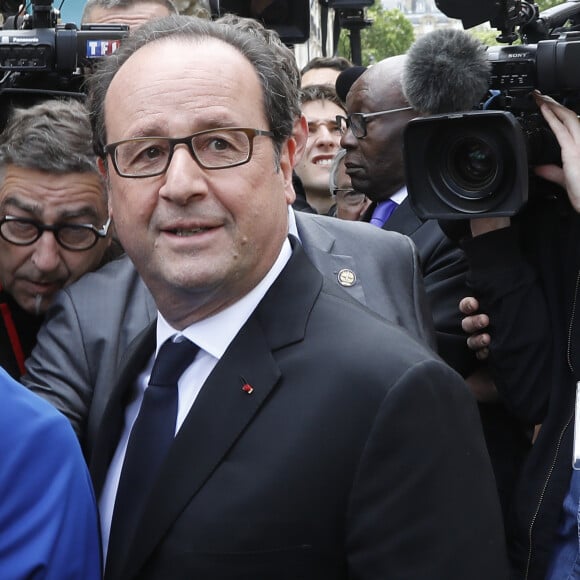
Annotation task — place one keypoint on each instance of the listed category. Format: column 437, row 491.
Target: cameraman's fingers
column 475, row 323
column 557, row 115
column 468, row 305
column 478, row 342
column 565, row 126
column 482, row 354
column 552, row 173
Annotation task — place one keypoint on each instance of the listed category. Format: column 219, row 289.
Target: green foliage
column 487, row 36
column 545, row 4
column 390, row 34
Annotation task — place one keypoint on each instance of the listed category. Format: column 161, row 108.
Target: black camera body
column 62, row 49
column 42, row 59
column 478, row 162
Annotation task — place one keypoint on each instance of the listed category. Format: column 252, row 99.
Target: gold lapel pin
column 346, row 278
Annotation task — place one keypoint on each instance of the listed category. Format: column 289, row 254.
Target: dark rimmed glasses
column 357, row 122
column 211, row 149
column 75, row 237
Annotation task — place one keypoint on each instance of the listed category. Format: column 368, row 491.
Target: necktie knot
column 171, row 361
column 382, row 212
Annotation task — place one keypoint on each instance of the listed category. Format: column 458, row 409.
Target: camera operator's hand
column 566, row 127
column 474, row 324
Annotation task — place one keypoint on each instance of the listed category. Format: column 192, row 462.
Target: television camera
column 40, row 58
column 478, row 161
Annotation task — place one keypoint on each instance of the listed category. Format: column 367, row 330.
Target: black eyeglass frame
column 111, row 148
column 363, row 116
column 56, row 229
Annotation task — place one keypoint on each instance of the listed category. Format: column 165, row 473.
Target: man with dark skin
column 374, row 162
column 373, row 137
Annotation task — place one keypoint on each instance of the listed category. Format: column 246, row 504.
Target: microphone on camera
column 447, row 71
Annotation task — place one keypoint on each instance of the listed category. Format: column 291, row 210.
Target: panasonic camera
column 478, row 162
column 40, row 58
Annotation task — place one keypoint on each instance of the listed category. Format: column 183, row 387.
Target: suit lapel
column 403, row 220
column 223, row 410
column 319, row 244
column 109, row 431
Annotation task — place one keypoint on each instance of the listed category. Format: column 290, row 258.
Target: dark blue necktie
column 382, row 212
column 150, row 439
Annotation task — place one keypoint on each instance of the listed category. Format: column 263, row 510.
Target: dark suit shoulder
column 356, row 328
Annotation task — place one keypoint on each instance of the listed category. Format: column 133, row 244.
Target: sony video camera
column 40, row 58
column 478, row 162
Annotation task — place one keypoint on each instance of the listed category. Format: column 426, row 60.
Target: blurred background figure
column 320, row 106
column 133, row 13
column 323, row 70
column 349, row 203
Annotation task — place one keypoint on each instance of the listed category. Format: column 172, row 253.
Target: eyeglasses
column 74, row 237
column 349, row 197
column 357, row 122
column 211, row 149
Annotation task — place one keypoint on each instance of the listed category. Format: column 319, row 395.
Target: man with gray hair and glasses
column 54, row 221
column 227, row 450
column 350, row 204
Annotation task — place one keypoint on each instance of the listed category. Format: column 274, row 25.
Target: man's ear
column 288, row 159
column 300, row 136
column 101, row 164
column 287, row 163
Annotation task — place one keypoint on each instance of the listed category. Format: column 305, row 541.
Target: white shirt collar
column 215, row 333
column 399, row 196
column 292, row 227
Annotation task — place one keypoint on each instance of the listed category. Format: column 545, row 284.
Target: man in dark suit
column 374, row 161
column 287, row 461
column 373, row 137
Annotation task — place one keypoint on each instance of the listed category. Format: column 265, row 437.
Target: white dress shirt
column 213, row 335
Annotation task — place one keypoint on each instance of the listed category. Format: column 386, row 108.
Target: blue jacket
column 48, row 520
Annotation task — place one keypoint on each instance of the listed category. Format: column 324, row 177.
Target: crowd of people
column 241, row 354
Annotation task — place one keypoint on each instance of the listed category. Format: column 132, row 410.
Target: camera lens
column 469, row 163
column 472, row 164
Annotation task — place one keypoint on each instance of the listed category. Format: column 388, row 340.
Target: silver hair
column 53, row 136
column 337, row 160
column 284, row 57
